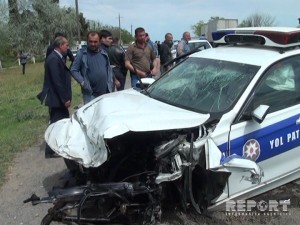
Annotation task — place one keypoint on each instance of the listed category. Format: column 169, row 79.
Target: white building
column 217, row 24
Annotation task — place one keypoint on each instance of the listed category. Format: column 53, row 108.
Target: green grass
column 12, row 61
column 23, row 119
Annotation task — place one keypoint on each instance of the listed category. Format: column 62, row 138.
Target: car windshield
column 203, row 85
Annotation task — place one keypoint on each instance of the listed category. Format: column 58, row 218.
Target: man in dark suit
column 56, row 93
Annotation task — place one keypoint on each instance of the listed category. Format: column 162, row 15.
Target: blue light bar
column 217, row 35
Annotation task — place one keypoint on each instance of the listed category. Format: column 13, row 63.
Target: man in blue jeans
column 140, row 58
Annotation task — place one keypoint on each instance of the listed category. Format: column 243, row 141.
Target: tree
column 258, row 20
column 13, row 10
column 4, row 12
column 39, row 22
column 197, row 27
column 5, row 50
column 4, row 41
column 126, row 36
column 84, row 25
column 30, row 25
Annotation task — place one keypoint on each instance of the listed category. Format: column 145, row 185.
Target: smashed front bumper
column 107, row 203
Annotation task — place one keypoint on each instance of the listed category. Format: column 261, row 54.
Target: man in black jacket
column 117, row 61
column 56, row 93
column 165, row 53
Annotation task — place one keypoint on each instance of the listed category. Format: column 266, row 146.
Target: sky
column 177, row 16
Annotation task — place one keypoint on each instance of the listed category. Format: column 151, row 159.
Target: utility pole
column 78, row 22
column 131, row 29
column 120, row 40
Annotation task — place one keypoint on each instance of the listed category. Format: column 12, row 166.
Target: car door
column 273, row 143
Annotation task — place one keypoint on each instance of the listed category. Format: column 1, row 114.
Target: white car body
column 258, row 156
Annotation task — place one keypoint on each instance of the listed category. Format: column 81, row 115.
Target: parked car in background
column 74, row 52
column 193, row 44
column 199, row 44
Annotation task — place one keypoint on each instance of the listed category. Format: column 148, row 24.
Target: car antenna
column 138, row 76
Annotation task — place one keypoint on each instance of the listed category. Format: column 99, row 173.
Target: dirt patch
column 32, row 173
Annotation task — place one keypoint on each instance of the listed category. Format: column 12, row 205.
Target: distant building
column 217, row 24
column 299, row 23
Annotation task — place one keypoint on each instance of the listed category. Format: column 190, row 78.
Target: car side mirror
column 146, row 82
column 259, row 113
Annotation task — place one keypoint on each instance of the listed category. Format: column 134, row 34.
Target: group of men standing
column 166, row 50
column 99, row 69
column 141, row 59
column 90, row 68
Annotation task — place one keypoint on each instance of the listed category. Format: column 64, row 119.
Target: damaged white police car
column 223, row 124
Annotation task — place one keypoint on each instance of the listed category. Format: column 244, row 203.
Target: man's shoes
column 51, row 155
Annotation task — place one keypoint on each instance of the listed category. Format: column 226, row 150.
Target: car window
column 203, row 85
column 282, row 77
column 280, row 86
column 198, row 45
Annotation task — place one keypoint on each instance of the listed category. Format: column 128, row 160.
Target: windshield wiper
column 145, row 92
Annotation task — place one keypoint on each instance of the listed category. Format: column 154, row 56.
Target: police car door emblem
column 251, row 150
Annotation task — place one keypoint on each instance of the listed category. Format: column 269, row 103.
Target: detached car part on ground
column 223, row 124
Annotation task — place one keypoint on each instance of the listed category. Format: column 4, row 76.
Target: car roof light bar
column 217, row 35
column 274, row 37
column 245, row 39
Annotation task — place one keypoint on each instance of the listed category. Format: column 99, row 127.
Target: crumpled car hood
column 81, row 137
